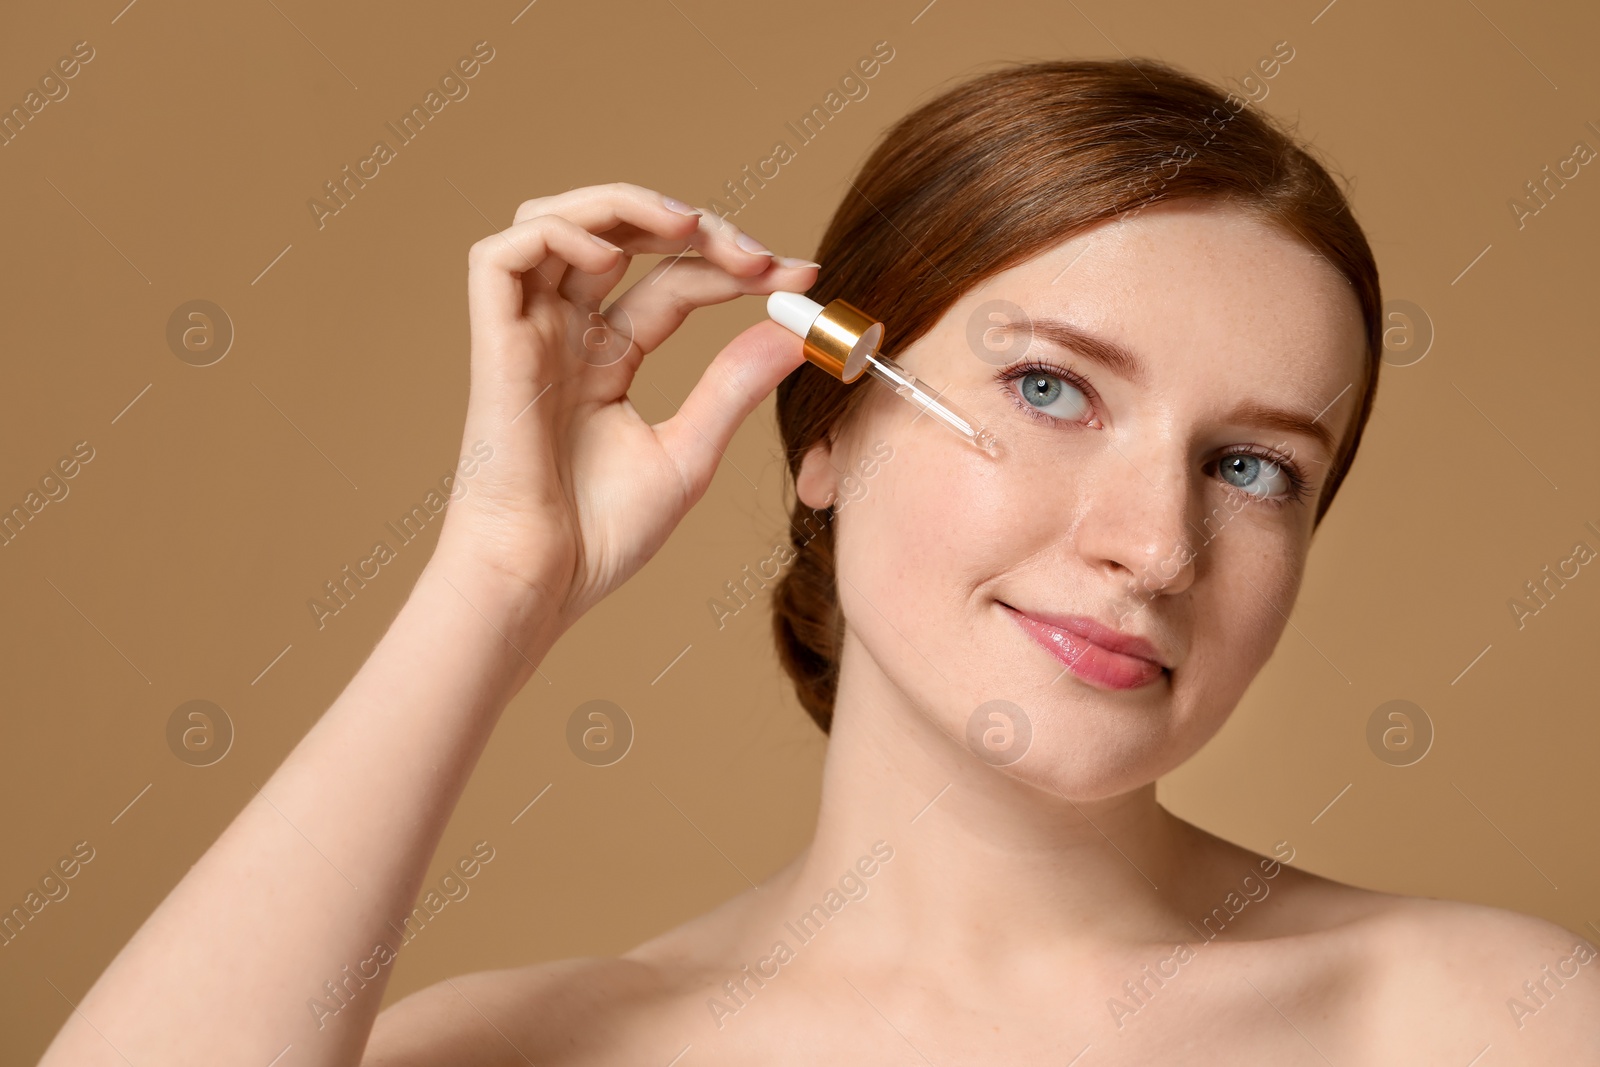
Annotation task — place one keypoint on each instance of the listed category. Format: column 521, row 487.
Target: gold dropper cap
column 838, row 337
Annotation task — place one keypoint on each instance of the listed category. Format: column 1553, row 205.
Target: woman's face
column 1168, row 496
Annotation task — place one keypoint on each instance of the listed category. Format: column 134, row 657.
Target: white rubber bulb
column 795, row 312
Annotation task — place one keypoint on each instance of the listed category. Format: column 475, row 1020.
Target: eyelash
column 1298, row 484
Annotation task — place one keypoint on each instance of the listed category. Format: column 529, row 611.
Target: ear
column 817, row 483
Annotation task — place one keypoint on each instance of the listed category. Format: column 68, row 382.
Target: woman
column 1164, row 310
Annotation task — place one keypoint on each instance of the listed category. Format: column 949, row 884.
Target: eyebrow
column 1124, row 363
column 1106, row 352
column 1250, row 413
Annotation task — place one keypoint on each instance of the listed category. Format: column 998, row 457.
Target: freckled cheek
column 1242, row 620
column 932, row 527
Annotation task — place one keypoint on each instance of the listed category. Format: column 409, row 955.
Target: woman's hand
column 580, row 491
column 575, row 497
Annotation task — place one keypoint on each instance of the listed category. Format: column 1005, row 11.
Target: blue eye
column 1255, row 475
column 1053, row 395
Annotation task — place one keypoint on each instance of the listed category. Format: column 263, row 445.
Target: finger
column 631, row 216
column 496, row 265
column 656, row 305
column 599, row 207
column 738, row 379
column 717, row 240
column 587, row 291
column 629, row 210
column 643, row 220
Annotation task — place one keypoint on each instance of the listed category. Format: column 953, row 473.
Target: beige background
column 181, row 563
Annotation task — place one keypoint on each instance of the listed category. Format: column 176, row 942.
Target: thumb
column 748, row 368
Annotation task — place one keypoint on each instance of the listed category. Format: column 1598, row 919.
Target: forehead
column 1210, row 297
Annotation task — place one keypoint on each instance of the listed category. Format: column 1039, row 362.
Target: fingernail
column 672, row 203
column 750, row 244
column 603, row 243
column 791, row 261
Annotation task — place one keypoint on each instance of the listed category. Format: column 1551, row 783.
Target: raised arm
column 577, row 494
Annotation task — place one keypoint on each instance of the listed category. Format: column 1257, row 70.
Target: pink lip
column 1094, row 652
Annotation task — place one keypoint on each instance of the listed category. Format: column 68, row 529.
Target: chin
column 1075, row 754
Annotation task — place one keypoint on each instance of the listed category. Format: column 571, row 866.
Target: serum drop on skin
column 844, row 341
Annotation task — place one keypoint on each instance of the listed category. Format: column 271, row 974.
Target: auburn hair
column 993, row 172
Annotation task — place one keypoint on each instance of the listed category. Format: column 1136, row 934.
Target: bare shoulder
column 1413, row 979
column 580, row 1011
column 1486, row 977
column 557, row 1012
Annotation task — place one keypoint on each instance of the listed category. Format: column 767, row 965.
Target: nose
column 1135, row 521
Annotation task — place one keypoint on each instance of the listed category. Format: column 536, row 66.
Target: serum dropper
column 844, row 341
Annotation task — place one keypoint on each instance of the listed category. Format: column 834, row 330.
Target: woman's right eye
column 1054, row 396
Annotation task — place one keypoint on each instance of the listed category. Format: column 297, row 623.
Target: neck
column 984, row 865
